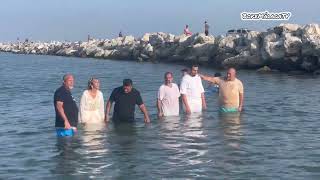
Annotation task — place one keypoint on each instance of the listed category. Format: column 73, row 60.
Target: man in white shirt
column 168, row 97
column 192, row 92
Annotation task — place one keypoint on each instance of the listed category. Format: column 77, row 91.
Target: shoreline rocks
column 287, row 47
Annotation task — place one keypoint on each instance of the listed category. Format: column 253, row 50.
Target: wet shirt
column 91, row 108
column 125, row 104
column 229, row 92
column 69, row 106
column 191, row 86
column 169, row 97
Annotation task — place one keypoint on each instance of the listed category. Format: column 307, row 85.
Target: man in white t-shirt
column 192, row 92
column 168, row 97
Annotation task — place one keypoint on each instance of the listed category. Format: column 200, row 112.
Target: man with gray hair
column 66, row 108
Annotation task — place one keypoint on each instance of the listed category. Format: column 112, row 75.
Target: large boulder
column 186, row 41
column 253, row 40
column 180, row 38
column 116, row 42
column 310, row 63
column 107, row 53
column 311, row 40
column 128, row 40
column 202, row 38
column 90, row 50
column 145, row 38
column 292, row 45
column 156, row 39
column 61, row 52
column 169, row 38
column 125, row 52
column 201, row 49
column 244, row 60
column 264, row 69
column 287, row 28
column 273, row 47
column 115, row 54
column 219, row 57
column 70, row 51
column 227, row 43
column 164, row 52
column 147, row 50
column 99, row 53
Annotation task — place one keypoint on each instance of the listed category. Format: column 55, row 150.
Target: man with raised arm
column 230, row 91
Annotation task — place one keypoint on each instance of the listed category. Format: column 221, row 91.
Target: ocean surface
column 276, row 137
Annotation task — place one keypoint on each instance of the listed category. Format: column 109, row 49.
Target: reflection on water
column 67, row 165
column 80, row 156
column 231, row 125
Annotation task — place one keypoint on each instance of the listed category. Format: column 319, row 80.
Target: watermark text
column 265, row 16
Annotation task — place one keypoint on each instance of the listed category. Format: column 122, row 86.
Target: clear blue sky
column 75, row 19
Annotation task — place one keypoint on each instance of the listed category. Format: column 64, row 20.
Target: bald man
column 230, row 92
column 66, row 108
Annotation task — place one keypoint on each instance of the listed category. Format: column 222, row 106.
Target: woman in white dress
column 92, row 104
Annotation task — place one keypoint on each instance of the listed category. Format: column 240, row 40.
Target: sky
column 73, row 20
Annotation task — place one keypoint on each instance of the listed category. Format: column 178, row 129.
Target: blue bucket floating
column 61, row 132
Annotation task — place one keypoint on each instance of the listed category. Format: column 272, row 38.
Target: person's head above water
column 194, row 70
column 217, row 74
column 184, row 71
column 168, row 78
column 231, row 74
column 93, row 84
column 127, row 85
column 68, row 81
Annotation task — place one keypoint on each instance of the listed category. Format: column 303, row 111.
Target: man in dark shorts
column 125, row 98
column 66, row 108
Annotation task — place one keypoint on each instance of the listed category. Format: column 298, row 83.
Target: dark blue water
column 277, row 136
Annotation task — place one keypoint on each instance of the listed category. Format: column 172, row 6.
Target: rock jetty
column 287, row 47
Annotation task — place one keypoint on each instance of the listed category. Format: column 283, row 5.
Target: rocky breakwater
column 287, row 47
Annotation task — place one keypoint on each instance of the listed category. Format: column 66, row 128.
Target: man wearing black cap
column 125, row 98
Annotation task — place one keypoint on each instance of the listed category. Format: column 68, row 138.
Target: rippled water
column 277, row 136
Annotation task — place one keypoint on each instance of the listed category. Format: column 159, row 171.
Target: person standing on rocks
column 230, row 91
column 120, row 34
column 168, row 97
column 206, row 28
column 192, row 92
column 186, row 31
column 66, row 108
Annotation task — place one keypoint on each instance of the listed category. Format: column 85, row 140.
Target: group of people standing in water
column 92, row 109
